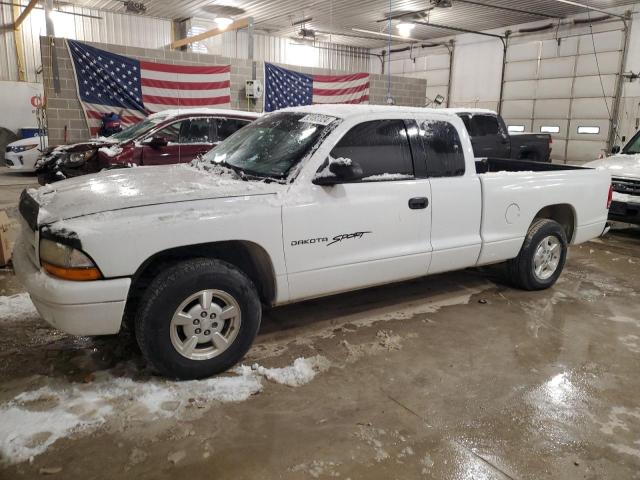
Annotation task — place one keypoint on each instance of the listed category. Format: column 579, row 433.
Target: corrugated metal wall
column 285, row 50
column 79, row 24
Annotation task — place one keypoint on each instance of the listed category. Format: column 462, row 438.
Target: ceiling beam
column 455, row 29
column 237, row 25
column 25, row 13
column 509, row 9
column 589, row 7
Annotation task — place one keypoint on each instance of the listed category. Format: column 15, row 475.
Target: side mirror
column 338, row 170
column 615, row 149
column 156, row 142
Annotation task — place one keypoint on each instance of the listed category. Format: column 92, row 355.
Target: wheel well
column 561, row 213
column 249, row 257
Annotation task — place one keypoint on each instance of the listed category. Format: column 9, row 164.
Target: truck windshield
column 633, row 147
column 272, row 145
column 138, row 128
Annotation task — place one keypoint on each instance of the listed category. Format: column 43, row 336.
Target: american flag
column 288, row 88
column 132, row 88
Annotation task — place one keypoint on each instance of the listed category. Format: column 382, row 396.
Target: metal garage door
column 553, row 86
column 433, row 66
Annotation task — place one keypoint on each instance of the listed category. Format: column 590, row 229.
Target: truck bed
column 492, row 165
column 515, row 191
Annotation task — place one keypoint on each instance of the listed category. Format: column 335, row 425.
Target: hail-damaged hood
column 619, row 166
column 129, row 188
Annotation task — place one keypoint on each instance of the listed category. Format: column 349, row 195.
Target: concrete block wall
column 64, row 110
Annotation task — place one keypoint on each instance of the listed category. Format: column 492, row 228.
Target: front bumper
column 20, row 161
column 628, row 212
column 78, row 308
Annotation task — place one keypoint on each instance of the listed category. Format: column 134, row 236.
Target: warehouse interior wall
column 76, row 23
column 66, row 122
column 476, row 73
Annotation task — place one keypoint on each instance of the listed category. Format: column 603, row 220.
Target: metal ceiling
column 335, row 17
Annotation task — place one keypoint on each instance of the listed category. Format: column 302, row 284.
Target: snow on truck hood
column 112, row 190
column 620, row 165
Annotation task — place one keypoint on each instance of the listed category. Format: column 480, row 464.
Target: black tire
column 166, row 293
column 521, row 269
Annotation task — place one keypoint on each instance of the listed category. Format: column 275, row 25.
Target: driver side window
column 380, row 147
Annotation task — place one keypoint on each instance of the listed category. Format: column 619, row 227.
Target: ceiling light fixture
column 223, row 22
column 404, row 29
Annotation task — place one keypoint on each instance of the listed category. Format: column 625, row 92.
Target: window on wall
column 380, row 147
column 199, row 47
column 549, row 129
column 588, row 130
column 515, row 128
column 443, row 149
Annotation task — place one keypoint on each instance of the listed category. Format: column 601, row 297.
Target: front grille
column 29, row 209
column 624, row 185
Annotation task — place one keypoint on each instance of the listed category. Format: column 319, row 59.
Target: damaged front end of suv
column 68, row 161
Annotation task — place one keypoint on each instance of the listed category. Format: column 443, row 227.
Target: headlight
column 66, row 262
column 23, row 148
column 78, row 158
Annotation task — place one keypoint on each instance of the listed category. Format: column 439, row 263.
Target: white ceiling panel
column 340, row 16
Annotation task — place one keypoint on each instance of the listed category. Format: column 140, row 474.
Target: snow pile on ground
column 32, row 421
column 16, row 307
column 300, row 373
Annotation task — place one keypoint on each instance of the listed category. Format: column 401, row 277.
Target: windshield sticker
column 317, row 119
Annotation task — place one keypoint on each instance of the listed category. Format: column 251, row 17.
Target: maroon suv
column 172, row 136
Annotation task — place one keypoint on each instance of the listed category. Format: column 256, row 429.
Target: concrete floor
column 455, row 376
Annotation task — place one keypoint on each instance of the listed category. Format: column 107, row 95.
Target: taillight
column 550, row 139
column 610, row 197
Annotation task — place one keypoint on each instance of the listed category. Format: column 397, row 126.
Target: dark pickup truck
column 491, row 138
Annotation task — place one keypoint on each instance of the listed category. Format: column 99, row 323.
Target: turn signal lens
column 75, row 274
column 610, row 197
column 66, row 262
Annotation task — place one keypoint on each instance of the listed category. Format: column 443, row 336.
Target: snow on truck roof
column 471, row 110
column 175, row 112
column 346, row 111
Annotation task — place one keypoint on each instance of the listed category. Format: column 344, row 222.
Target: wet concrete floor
column 456, row 376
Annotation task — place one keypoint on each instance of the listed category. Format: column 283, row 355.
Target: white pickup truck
column 302, row 203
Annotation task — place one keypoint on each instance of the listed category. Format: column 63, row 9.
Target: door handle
column 418, row 203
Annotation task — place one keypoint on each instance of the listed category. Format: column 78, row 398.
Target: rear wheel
column 197, row 318
column 542, row 256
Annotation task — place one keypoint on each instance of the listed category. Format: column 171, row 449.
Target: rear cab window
column 484, row 125
column 442, row 148
column 380, row 147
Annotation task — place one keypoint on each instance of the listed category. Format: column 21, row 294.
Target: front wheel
column 197, row 318
column 542, row 256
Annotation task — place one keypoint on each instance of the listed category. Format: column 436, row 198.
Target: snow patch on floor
column 300, row 373
column 34, row 420
column 16, row 307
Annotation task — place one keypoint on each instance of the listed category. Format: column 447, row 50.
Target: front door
column 197, row 137
column 359, row 234
column 167, row 153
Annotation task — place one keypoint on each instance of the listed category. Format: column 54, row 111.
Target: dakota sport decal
column 328, row 241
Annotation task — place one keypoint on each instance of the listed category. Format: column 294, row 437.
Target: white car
column 302, row 203
column 624, row 168
column 22, row 154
